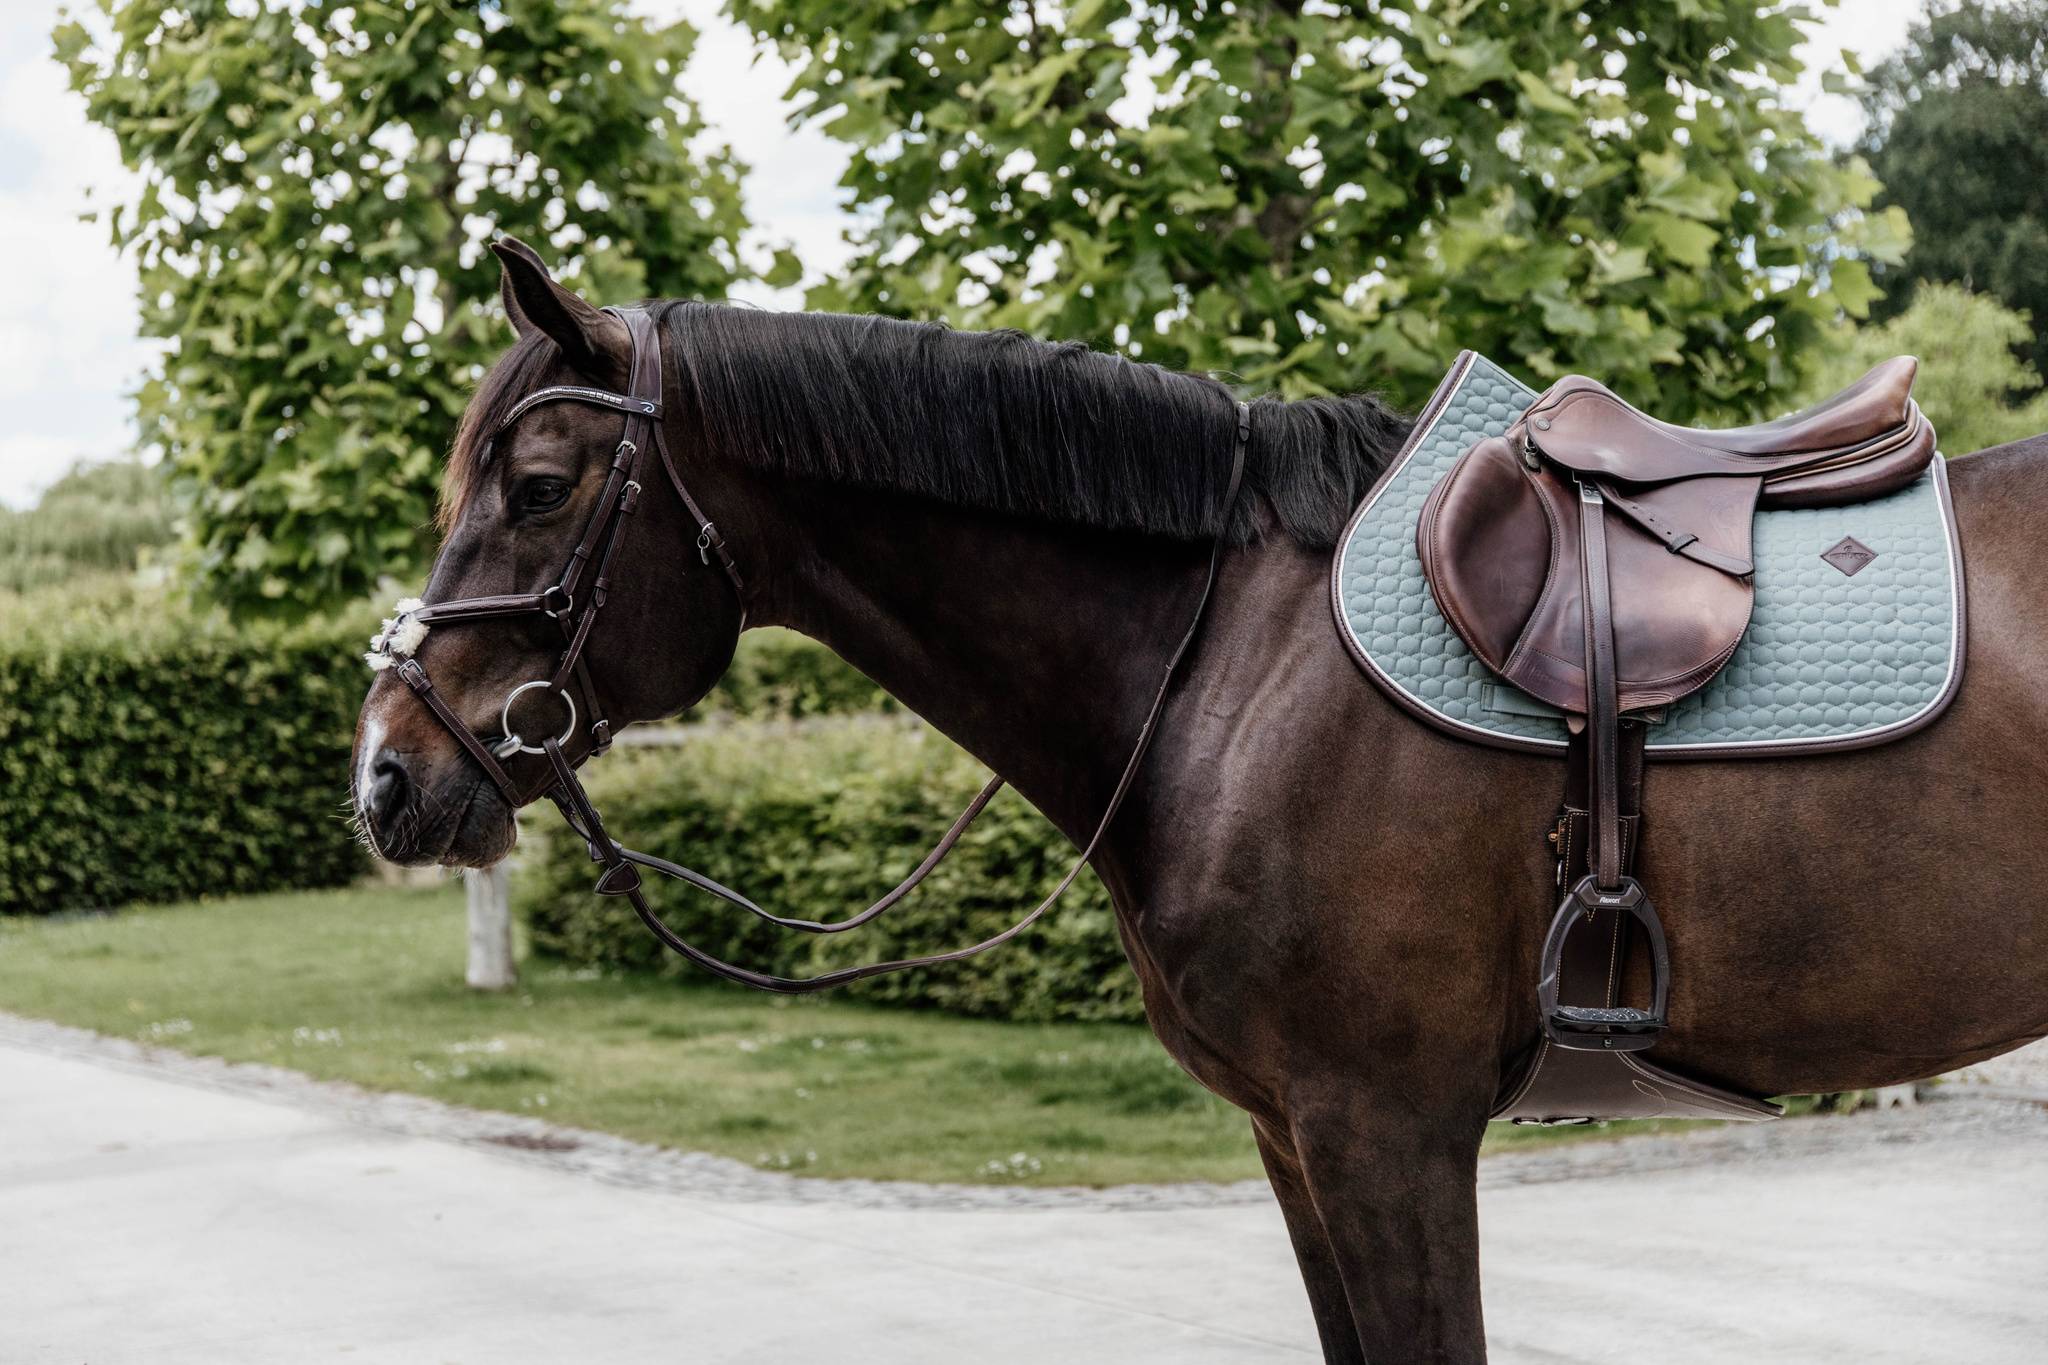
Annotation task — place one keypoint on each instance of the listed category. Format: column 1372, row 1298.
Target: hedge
column 817, row 821
column 778, row 674
column 148, row 754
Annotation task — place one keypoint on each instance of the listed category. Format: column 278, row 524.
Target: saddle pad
column 1831, row 659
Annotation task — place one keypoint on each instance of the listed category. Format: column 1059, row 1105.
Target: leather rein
column 573, row 603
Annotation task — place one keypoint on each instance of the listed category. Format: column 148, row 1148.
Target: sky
column 69, row 353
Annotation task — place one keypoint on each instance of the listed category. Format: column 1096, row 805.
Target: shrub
column 148, row 754
column 780, row 674
column 96, row 517
column 818, row 822
column 1973, row 385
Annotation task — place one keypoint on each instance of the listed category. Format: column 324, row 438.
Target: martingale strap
column 597, row 549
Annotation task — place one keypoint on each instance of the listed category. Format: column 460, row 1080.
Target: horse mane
column 997, row 421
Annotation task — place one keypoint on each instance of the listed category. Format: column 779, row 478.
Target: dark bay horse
column 1334, row 911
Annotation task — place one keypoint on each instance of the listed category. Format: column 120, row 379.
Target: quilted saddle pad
column 1857, row 636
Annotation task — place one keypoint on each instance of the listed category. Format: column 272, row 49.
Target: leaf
column 1618, row 265
column 1685, row 242
column 786, row 271
column 1669, row 186
column 1849, row 281
column 1474, row 63
column 1567, row 317
column 1538, row 92
column 1886, row 235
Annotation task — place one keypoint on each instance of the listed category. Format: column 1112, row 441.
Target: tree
column 1327, row 198
column 97, row 518
column 1958, row 131
column 318, row 181
column 1972, row 384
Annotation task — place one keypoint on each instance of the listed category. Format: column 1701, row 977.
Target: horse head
column 563, row 496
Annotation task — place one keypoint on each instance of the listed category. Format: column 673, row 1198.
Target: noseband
column 573, row 603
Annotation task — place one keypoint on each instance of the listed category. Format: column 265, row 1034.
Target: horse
column 1332, row 909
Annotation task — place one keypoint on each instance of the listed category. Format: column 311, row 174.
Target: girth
column 574, row 602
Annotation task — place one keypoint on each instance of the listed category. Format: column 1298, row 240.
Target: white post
column 490, row 928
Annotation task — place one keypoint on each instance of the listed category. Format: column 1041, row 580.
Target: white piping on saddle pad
column 401, row 635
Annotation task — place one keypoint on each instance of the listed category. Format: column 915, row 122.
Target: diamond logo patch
column 1850, row 555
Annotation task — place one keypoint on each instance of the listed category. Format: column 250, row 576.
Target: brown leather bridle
column 573, row 602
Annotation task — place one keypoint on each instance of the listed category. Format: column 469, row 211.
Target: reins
column 593, row 556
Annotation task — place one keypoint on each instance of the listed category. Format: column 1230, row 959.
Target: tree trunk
column 491, row 967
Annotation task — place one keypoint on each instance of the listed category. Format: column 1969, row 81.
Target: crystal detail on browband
column 400, row 637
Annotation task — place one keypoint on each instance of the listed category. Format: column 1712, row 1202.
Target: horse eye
column 543, row 495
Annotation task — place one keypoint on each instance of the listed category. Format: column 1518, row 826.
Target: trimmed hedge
column 818, row 822
column 147, row 754
column 778, row 674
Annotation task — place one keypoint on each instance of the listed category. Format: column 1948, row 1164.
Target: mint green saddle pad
column 1830, row 660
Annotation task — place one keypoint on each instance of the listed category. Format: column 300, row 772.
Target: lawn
column 365, row 985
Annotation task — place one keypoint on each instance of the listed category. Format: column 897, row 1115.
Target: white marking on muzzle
column 373, row 740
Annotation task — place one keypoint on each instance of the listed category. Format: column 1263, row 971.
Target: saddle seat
column 1863, row 442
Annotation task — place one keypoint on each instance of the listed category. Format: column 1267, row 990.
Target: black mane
column 992, row 420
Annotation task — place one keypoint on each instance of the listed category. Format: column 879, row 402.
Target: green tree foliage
column 1973, row 385
column 1959, row 133
column 318, row 182
column 97, row 517
column 1320, row 198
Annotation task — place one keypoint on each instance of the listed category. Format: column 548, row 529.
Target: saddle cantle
column 1601, row 561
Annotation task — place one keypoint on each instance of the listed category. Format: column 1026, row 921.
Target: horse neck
column 1036, row 647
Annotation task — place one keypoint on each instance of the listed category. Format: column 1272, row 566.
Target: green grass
column 365, row 985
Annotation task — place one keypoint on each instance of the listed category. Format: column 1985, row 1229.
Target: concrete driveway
column 162, row 1209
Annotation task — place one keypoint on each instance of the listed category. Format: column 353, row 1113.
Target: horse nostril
column 390, row 789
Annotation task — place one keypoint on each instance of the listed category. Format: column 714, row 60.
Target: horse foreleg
column 1396, row 1194
column 1320, row 1273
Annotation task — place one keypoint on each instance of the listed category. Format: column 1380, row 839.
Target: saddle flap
column 1499, row 544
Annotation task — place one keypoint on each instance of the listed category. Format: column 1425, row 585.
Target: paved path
column 167, row 1210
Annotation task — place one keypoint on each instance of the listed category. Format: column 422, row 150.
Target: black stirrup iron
column 573, row 603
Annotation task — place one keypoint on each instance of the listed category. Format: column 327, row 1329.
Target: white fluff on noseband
column 401, row 635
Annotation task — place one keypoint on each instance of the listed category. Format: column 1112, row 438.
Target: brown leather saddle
column 1600, row 560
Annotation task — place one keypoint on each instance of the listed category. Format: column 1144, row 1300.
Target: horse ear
column 592, row 340
column 521, row 324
